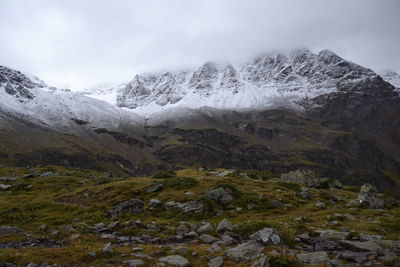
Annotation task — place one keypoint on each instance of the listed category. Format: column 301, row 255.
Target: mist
column 79, row 44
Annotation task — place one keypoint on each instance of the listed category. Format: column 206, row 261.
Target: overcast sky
column 83, row 43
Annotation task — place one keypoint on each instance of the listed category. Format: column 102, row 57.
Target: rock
column 305, row 177
column 5, row 186
column 134, row 262
column 48, row 174
column 305, row 194
column 226, row 173
column 175, row 260
column 91, row 253
column 215, row 248
column 4, row 230
column 208, row 239
column 190, row 207
column 107, row 248
column 266, row 236
column 112, row 225
column 67, row 228
column 154, row 203
column 182, row 251
column 319, row 257
column 154, row 188
column 358, row 246
column 222, row 195
column 244, row 252
column 216, row 262
column 75, row 236
column 130, row 207
column 30, row 175
column 225, row 225
column 42, row 227
column 204, row 228
column 182, row 229
column 331, row 234
column 227, row 240
column 261, row 262
column 320, row 205
column 368, row 197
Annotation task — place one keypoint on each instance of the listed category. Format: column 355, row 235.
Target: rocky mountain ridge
column 328, row 114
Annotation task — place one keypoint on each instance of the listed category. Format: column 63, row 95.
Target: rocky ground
column 57, row 216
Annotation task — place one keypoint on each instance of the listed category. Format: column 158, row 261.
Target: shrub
column 164, row 174
column 288, row 235
column 180, row 183
column 291, row 186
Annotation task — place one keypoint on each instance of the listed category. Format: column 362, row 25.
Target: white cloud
column 81, row 43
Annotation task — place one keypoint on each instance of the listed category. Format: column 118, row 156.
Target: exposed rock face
column 130, row 207
column 368, row 197
column 306, row 177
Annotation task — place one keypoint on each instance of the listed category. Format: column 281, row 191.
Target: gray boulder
column 368, row 198
column 130, row 207
column 134, row 262
column 358, row 246
column 154, row 203
column 244, row 252
column 222, row 195
column 331, row 234
column 305, row 177
column 175, row 260
column 4, row 230
column 154, row 188
column 266, row 236
column 208, row 239
column 216, row 262
column 189, row 207
column 261, row 262
column 225, row 225
column 320, row 257
column 204, row 228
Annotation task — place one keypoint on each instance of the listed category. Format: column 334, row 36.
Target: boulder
column 320, row 257
column 358, row 246
column 204, row 228
column 208, row 239
column 266, row 236
column 222, row 195
column 216, row 262
column 305, row 177
column 225, row 225
column 261, row 262
column 244, row 252
column 154, row 203
column 134, row 262
column 368, row 198
column 175, row 260
column 154, row 188
column 130, row 207
column 331, row 234
column 189, row 207
column 4, row 230
column 182, row 229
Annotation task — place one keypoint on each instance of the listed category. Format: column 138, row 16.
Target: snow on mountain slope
column 59, row 108
column 391, row 77
column 260, row 83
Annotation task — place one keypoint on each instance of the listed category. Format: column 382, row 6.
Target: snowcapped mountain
column 276, row 112
column 50, row 106
column 391, row 77
column 260, row 83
